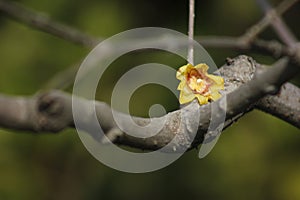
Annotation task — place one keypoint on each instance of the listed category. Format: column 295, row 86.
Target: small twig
column 272, row 48
column 256, row 29
column 191, row 31
column 45, row 24
column 57, row 29
column 282, row 30
column 65, row 78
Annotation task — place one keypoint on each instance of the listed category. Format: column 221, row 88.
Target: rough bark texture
column 52, row 111
column 284, row 105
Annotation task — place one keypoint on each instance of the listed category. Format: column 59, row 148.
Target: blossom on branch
column 197, row 83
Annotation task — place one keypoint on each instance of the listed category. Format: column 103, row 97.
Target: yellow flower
column 196, row 83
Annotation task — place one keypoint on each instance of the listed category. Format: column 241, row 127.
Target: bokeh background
column 256, row 158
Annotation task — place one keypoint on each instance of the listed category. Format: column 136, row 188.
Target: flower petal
column 181, row 84
column 186, row 95
column 217, row 79
column 215, row 96
column 202, row 99
column 181, row 72
column 203, row 67
column 196, row 83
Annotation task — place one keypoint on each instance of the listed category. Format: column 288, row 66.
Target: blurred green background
column 256, row 158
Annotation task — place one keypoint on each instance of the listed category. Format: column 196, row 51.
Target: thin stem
column 279, row 25
column 256, row 29
column 191, row 31
column 45, row 24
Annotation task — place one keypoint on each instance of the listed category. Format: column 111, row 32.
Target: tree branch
column 191, row 31
column 271, row 15
column 279, row 25
column 45, row 24
column 285, row 105
column 52, row 111
column 273, row 48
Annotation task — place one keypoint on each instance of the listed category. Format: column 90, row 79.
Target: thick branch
column 52, row 111
column 285, row 105
column 32, row 114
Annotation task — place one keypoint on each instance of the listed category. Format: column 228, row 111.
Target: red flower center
column 198, row 82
